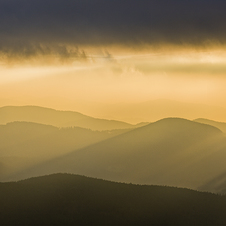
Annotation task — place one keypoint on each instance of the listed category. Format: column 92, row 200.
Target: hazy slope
column 220, row 125
column 24, row 144
column 63, row 199
column 57, row 118
column 216, row 184
column 171, row 151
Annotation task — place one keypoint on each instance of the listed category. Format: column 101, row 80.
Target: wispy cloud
column 23, row 52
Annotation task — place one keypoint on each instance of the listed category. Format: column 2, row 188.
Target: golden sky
column 116, row 76
column 82, row 56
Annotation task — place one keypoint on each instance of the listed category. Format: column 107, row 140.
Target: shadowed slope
column 57, row 118
column 217, row 184
column 175, row 152
column 219, row 125
column 24, row 144
column 76, row 200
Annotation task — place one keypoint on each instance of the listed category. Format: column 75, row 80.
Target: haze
column 127, row 91
column 99, row 64
column 90, row 87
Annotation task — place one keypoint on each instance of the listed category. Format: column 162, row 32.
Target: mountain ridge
column 219, row 125
column 65, row 199
column 23, row 144
column 175, row 152
column 58, row 118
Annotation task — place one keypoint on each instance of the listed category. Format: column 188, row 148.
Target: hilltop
column 63, row 199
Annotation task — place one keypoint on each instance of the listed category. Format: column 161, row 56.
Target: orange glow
column 118, row 76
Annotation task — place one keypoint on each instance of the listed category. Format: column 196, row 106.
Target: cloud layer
column 85, row 22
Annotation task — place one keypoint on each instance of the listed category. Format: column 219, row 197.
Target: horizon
column 129, row 91
column 135, row 122
column 85, row 57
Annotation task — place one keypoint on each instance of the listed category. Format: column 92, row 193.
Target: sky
column 95, row 56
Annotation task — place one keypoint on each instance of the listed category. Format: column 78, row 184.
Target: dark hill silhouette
column 24, row 144
column 57, row 118
column 175, row 152
column 219, row 125
column 63, row 199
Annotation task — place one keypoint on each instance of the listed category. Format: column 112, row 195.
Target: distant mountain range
column 174, row 152
column 23, row 144
column 171, row 151
column 149, row 111
column 63, row 199
column 58, row 118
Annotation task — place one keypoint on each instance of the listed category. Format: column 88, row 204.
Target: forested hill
column 63, row 199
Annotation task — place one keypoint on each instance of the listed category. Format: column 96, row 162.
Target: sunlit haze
column 112, row 112
column 110, row 77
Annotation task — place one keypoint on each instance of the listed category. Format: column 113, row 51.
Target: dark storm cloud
column 25, row 23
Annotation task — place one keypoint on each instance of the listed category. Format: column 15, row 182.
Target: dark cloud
column 85, row 22
column 33, row 51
